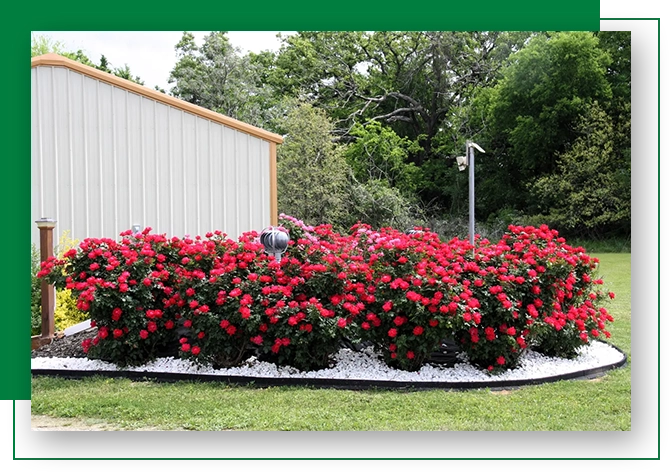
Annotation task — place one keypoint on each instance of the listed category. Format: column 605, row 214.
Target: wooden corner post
column 46, row 226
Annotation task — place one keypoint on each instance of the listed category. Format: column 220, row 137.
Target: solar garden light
column 463, row 162
column 413, row 231
column 275, row 239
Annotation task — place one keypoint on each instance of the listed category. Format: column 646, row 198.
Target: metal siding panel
column 135, row 157
column 63, row 184
column 78, row 156
column 119, row 161
column 150, row 183
column 229, row 175
column 176, row 173
column 190, row 181
column 265, row 183
column 203, row 143
column 163, row 193
column 261, row 160
column 254, row 191
column 243, row 182
column 104, row 160
column 216, row 178
column 92, row 159
column 47, row 144
column 35, row 154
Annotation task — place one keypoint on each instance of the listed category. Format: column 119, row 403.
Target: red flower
column 399, row 320
column 612, row 295
column 392, row 332
column 152, row 326
column 433, row 323
column 257, row 340
column 169, row 324
column 341, row 322
column 224, row 324
column 118, row 333
column 231, row 330
column 501, row 360
column 410, row 355
column 490, row 334
column 418, row 330
column 143, row 334
column 116, row 314
column 195, row 351
column 188, row 323
column 511, row 331
column 185, row 347
column 200, row 335
column 387, row 306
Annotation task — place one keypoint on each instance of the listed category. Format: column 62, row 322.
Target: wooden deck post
column 46, row 226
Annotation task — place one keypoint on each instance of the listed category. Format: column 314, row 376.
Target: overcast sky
column 149, row 54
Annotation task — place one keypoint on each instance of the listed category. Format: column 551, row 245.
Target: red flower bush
column 124, row 287
column 218, row 301
column 405, row 295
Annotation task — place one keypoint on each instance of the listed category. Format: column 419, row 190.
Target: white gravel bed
column 366, row 366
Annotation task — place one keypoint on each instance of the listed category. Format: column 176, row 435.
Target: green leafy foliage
column 590, row 192
column 35, row 293
column 312, row 172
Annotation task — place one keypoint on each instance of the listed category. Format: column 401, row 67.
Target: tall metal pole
column 470, row 157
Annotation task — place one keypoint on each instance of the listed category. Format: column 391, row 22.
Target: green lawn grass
column 602, row 404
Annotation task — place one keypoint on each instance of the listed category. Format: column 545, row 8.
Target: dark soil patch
column 65, row 346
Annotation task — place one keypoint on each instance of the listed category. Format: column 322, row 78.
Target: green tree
column 530, row 116
column 217, row 77
column 414, row 83
column 312, row 173
column 378, row 153
column 590, row 194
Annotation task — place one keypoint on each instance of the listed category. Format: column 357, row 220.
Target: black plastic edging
column 348, row 384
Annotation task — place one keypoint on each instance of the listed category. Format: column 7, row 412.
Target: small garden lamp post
column 463, row 162
column 275, row 239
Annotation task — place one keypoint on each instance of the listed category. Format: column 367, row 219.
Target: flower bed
column 223, row 301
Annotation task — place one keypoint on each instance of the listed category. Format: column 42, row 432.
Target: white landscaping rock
column 366, row 366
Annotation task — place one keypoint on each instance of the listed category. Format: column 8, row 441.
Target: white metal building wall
column 105, row 158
